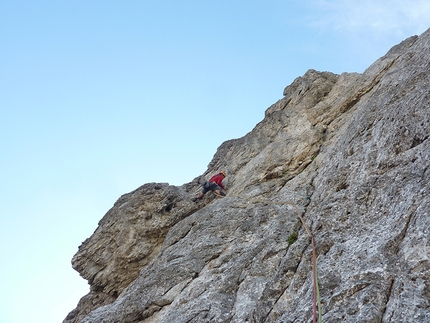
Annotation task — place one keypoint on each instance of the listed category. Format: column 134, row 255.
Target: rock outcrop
column 352, row 151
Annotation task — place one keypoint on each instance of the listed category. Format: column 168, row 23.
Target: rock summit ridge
column 352, row 151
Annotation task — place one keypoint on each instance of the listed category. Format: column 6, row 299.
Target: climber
column 214, row 185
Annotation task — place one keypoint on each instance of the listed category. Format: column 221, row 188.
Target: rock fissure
column 389, row 294
column 394, row 245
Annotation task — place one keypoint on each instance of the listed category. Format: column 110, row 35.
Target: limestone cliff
column 352, row 151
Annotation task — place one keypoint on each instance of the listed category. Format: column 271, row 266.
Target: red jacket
column 217, row 179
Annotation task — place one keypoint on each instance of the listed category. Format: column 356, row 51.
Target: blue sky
column 100, row 97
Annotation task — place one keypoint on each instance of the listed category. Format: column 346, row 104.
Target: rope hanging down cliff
column 316, row 292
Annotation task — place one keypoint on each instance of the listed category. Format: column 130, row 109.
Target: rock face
column 352, row 151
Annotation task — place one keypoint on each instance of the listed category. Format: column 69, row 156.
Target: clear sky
column 100, row 97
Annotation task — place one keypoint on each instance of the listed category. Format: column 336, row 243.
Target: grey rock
column 352, row 151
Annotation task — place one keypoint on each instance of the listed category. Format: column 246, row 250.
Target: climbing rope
column 316, row 292
column 317, row 299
